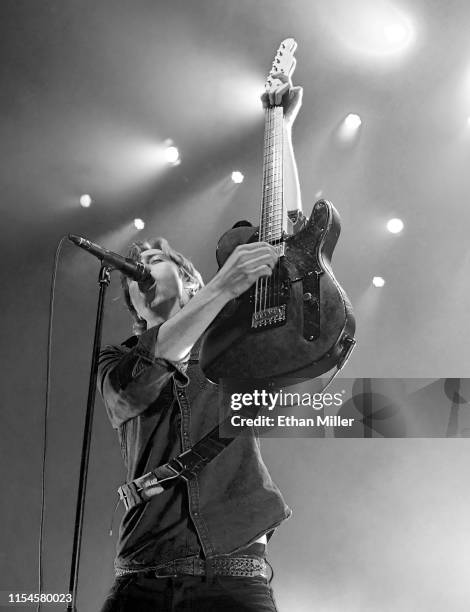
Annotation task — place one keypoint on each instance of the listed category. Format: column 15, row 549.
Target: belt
column 221, row 566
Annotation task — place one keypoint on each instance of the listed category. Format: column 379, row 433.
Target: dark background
column 89, row 91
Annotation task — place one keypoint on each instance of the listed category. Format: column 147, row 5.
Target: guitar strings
column 262, row 281
column 276, row 200
column 272, row 204
column 267, row 140
column 263, row 199
column 279, row 204
column 270, row 195
column 267, row 289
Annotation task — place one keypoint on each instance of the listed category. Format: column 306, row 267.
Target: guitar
column 298, row 322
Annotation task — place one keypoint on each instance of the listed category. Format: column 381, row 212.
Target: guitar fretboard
column 272, row 215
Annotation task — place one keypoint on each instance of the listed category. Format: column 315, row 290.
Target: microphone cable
column 46, row 413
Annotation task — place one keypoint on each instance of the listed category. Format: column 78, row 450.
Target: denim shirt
column 160, row 408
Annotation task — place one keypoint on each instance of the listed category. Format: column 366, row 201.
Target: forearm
column 178, row 335
column 291, row 187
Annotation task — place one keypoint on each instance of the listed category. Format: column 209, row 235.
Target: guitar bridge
column 269, row 317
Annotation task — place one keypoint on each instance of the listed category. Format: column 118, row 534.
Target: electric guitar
column 298, row 322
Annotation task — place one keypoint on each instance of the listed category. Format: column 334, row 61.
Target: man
column 201, row 544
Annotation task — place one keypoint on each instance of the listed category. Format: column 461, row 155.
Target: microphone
column 133, row 269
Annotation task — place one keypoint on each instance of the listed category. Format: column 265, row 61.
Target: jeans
column 144, row 593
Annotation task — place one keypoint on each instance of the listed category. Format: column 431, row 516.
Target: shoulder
column 110, row 354
column 114, row 349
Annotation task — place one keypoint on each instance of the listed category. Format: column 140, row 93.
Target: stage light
column 172, row 155
column 352, row 121
column 237, row 177
column 318, row 194
column 396, row 33
column 376, row 30
column 395, row 226
column 139, row 224
column 348, row 129
column 85, row 200
column 378, row 281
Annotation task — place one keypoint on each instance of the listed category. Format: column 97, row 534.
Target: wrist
column 287, row 128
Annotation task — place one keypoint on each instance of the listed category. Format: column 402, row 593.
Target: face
column 169, row 295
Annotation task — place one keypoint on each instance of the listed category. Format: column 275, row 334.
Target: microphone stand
column 103, row 280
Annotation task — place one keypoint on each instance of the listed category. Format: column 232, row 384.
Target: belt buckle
column 175, row 569
column 159, row 572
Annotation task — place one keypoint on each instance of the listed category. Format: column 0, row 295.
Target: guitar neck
column 273, row 216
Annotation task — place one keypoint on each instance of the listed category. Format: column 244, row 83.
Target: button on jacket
column 160, row 408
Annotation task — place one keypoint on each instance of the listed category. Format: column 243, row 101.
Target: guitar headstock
column 283, row 62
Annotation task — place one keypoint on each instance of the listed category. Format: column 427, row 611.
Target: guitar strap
column 182, row 467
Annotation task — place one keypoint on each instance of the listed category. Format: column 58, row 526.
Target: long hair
column 192, row 280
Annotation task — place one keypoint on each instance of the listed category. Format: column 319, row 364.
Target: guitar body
column 318, row 327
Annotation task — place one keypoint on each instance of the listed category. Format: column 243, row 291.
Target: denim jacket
column 160, row 408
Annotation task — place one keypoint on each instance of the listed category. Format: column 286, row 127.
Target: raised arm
column 291, row 99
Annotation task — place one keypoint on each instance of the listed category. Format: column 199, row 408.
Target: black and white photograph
column 235, row 316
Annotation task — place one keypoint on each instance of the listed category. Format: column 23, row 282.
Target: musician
column 202, row 543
